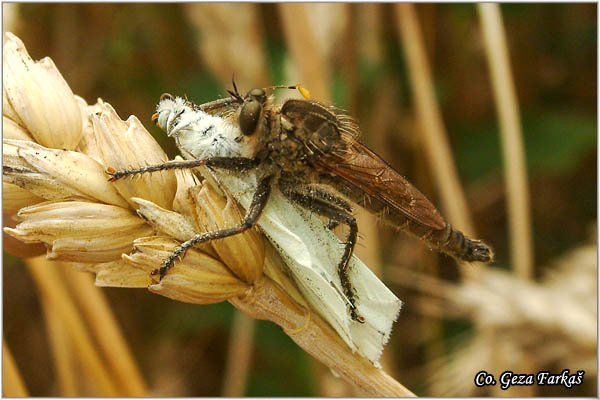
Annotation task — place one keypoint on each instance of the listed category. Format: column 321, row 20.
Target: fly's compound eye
column 249, row 116
column 250, row 112
column 258, row 94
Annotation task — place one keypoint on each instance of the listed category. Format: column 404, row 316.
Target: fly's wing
column 333, row 139
column 363, row 168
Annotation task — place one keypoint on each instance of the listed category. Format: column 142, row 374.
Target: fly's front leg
column 334, row 213
column 231, row 163
column 259, row 201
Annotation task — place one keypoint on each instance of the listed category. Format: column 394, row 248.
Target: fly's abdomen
column 454, row 243
column 447, row 240
column 441, row 237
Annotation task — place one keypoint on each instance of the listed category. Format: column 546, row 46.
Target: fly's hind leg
column 317, row 192
column 324, row 208
column 259, row 201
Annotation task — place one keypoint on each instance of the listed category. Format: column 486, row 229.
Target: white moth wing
column 311, row 251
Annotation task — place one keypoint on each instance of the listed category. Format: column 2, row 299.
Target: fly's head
column 251, row 109
column 228, row 127
column 254, row 105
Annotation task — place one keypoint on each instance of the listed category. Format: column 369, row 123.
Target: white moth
column 311, row 251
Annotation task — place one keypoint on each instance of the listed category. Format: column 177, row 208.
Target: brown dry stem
column 90, row 222
column 54, row 292
column 267, row 301
column 430, row 118
column 13, row 385
column 108, row 334
column 239, row 355
column 62, row 351
column 513, row 149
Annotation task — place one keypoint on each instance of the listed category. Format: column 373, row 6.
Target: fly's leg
column 230, row 163
column 331, row 225
column 338, row 215
column 259, row 201
column 317, row 192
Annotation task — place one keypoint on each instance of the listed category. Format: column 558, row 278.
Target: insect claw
column 112, row 172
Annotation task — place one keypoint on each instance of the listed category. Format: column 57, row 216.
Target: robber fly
column 303, row 146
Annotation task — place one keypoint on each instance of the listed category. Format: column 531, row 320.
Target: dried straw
column 305, row 54
column 300, row 24
column 230, row 41
column 12, row 383
column 55, row 293
column 106, row 330
column 317, row 337
column 435, row 138
column 513, row 150
column 232, row 44
column 197, row 278
column 62, row 351
column 540, row 325
column 241, row 345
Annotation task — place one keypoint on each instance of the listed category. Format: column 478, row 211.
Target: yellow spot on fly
column 304, row 92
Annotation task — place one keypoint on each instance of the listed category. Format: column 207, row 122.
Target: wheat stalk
column 123, row 230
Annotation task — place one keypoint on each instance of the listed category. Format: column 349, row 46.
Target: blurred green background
column 129, row 54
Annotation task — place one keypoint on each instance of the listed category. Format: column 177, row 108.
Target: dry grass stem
column 429, row 116
column 538, row 325
column 309, row 331
column 231, row 41
column 123, row 230
column 54, row 291
column 12, row 383
column 239, row 355
column 331, row 385
column 308, row 63
column 97, row 311
column 62, row 351
column 311, row 34
column 513, row 151
column 304, row 51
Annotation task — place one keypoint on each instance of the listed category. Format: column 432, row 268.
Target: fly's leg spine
column 259, row 201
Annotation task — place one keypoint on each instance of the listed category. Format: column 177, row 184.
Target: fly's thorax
column 314, row 126
column 279, row 147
